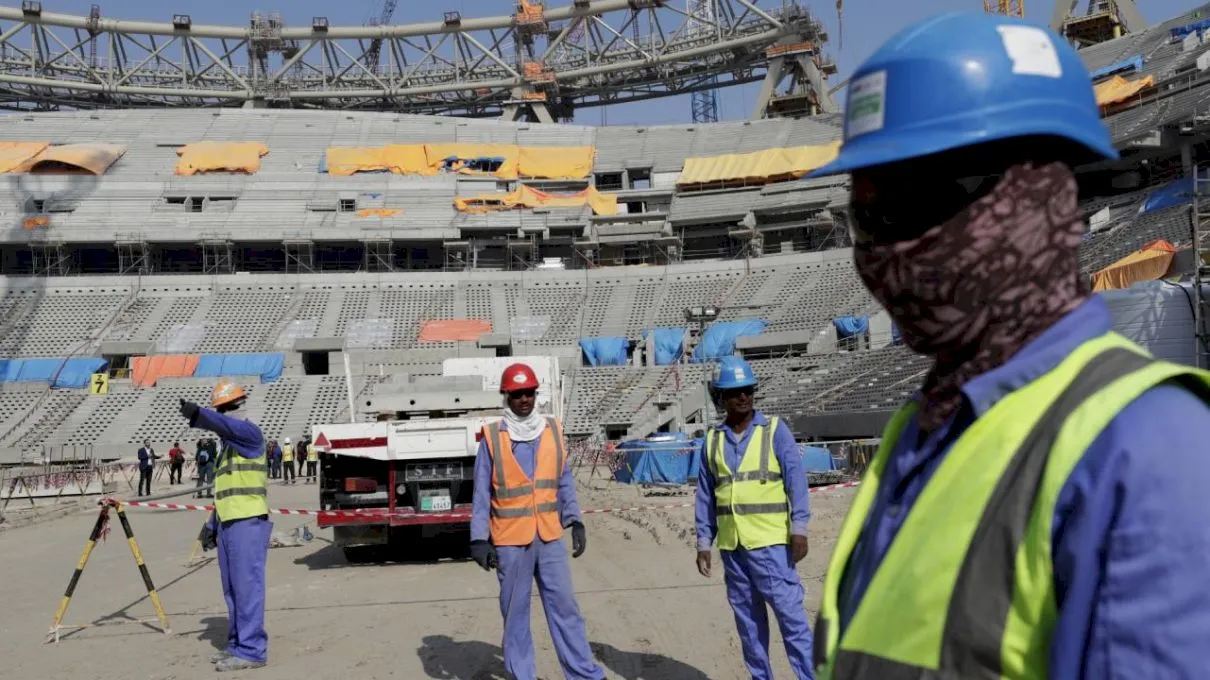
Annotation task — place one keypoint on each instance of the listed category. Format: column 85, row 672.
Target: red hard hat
column 518, row 377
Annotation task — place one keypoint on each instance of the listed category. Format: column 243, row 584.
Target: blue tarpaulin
column 719, row 339
column 607, row 351
column 816, row 459
column 1134, row 63
column 267, row 366
column 849, row 326
column 669, row 345
column 663, row 459
column 72, row 373
column 896, row 339
column 1177, row 192
column 1195, row 27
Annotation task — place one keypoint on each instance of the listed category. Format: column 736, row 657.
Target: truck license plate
column 435, row 504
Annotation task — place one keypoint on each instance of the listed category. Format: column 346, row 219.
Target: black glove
column 209, row 538
column 485, row 554
column 579, row 539
column 189, row 410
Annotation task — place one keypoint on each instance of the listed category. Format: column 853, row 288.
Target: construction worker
column 1039, row 508
column 312, row 460
column 240, row 526
column 287, row 460
column 752, row 499
column 525, row 496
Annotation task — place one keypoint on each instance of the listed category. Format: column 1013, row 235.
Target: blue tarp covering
column 1177, row 192
column 719, row 339
column 608, row 351
column 849, row 326
column 816, row 459
column 1195, row 27
column 1134, row 63
column 669, row 345
column 267, row 366
column 72, row 373
column 896, row 339
column 668, row 459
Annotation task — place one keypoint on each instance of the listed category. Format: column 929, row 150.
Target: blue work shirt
column 526, row 455
column 1131, row 536
column 235, row 434
column 734, row 446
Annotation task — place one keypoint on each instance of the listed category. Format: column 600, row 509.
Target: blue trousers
column 243, row 547
column 767, row 576
column 548, row 563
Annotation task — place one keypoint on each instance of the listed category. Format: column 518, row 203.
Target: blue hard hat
column 733, row 373
column 966, row 78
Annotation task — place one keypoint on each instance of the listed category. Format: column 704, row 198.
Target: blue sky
column 867, row 23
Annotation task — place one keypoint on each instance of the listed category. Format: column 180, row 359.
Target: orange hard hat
column 226, row 392
column 518, row 377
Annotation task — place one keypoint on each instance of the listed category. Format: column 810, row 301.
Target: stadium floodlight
column 30, row 8
column 181, row 22
column 701, row 313
column 319, row 24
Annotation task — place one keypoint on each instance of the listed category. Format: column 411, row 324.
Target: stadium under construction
column 291, row 199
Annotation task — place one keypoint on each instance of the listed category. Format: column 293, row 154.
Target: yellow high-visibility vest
column 312, row 454
column 750, row 504
column 287, row 453
column 240, row 486
column 945, row 602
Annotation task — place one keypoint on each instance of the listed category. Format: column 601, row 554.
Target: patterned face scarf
column 973, row 290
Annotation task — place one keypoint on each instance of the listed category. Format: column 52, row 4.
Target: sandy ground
column 650, row 615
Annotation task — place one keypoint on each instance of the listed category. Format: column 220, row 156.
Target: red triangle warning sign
column 321, row 441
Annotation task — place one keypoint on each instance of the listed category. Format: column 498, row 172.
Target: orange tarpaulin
column 526, row 196
column 1148, row 263
column 453, row 330
column 145, row 371
column 14, row 155
column 502, row 161
column 1117, row 89
column 242, row 157
column 378, row 212
column 757, row 166
column 83, row 159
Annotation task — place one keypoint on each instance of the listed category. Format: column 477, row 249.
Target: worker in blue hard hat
column 1039, row 508
column 752, row 500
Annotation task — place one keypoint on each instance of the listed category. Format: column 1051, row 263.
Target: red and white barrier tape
column 453, row 515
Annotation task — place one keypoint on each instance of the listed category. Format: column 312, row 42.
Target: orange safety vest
column 522, row 507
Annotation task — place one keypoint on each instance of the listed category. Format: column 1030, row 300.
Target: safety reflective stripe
column 762, row 475
column 548, row 507
column 229, row 468
column 753, row 509
column 512, row 512
column 241, row 491
column 984, row 590
column 766, row 447
column 547, row 483
column 502, row 489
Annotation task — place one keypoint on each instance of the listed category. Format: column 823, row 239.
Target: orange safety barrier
column 148, row 370
column 453, row 330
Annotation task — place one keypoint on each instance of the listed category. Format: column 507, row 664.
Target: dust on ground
column 650, row 615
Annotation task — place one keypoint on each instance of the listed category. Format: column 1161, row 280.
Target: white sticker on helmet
column 1031, row 51
column 866, row 105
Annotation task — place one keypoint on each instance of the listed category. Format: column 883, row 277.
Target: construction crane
column 383, row 18
column 1012, row 8
column 705, row 102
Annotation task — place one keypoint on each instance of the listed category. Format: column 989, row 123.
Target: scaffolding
column 134, row 256
column 1200, row 227
column 523, row 252
column 299, row 250
column 379, row 255
column 49, row 257
column 218, row 254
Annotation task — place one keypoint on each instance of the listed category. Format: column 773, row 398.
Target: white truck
column 406, row 471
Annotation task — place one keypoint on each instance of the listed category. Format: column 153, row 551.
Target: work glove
column 189, row 410
column 484, row 553
column 579, row 539
column 208, row 537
